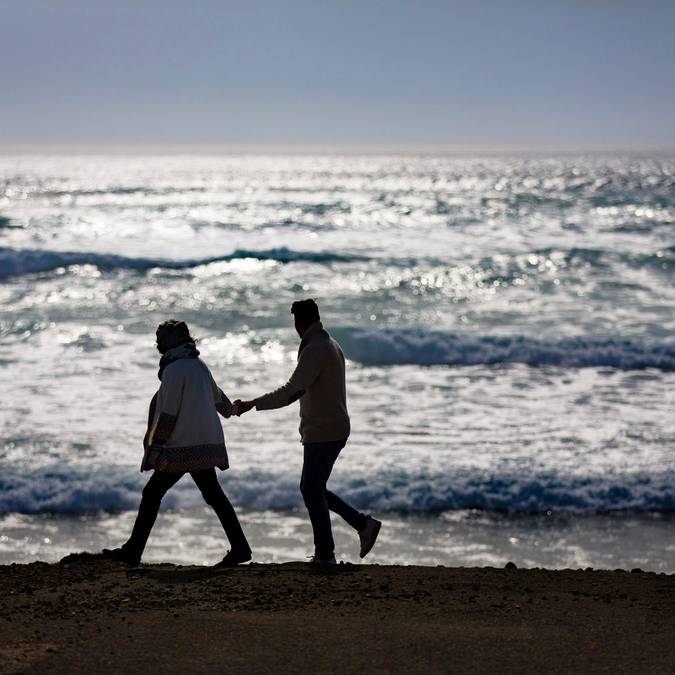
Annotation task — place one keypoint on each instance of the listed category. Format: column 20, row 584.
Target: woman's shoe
column 234, row 558
column 120, row 555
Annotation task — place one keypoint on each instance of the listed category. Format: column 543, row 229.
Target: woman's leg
column 207, row 482
column 158, row 485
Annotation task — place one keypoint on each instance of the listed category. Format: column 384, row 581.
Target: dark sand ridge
column 85, row 615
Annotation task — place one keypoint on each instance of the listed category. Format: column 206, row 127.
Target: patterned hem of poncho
column 186, row 459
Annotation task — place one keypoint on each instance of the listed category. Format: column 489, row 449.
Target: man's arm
column 307, row 370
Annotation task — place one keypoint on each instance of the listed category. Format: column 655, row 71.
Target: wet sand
column 86, row 615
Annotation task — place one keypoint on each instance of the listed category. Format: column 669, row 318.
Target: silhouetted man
column 184, row 436
column 319, row 383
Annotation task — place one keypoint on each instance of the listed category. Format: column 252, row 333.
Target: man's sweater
column 319, row 382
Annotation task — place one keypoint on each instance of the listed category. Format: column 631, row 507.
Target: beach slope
column 87, row 615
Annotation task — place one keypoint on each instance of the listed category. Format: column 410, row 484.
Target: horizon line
column 142, row 148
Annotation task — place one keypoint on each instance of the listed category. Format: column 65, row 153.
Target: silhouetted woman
column 184, row 436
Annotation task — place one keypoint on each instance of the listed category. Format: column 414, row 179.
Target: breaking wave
column 18, row 262
column 70, row 490
column 410, row 346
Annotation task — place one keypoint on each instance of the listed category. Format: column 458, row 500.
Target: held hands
column 241, row 407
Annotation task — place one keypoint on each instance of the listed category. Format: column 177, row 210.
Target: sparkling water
column 508, row 323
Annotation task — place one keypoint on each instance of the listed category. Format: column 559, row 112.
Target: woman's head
column 172, row 333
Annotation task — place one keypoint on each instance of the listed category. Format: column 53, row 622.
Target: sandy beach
column 86, row 615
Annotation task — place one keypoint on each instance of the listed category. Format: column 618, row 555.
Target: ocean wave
column 418, row 347
column 70, row 490
column 577, row 260
column 18, row 262
column 324, row 208
column 119, row 190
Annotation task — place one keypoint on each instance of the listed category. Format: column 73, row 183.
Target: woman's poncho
column 185, row 433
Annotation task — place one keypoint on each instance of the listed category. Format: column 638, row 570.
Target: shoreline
column 193, row 536
column 85, row 614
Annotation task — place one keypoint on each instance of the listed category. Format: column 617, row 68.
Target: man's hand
column 243, row 406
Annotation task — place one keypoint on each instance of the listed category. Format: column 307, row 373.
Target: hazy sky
column 480, row 72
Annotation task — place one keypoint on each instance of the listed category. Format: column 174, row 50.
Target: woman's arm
column 169, row 400
column 151, row 417
column 223, row 404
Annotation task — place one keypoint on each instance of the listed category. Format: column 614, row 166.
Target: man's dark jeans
column 318, row 463
column 207, row 482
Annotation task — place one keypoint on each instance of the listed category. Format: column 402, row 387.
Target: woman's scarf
column 187, row 350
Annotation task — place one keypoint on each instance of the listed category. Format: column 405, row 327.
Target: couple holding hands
column 185, row 436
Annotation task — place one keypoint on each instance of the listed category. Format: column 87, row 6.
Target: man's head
column 306, row 313
column 172, row 333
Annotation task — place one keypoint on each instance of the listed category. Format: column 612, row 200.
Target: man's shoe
column 315, row 560
column 368, row 535
column 234, row 558
column 120, row 555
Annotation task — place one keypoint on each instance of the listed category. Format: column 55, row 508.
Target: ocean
column 508, row 322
